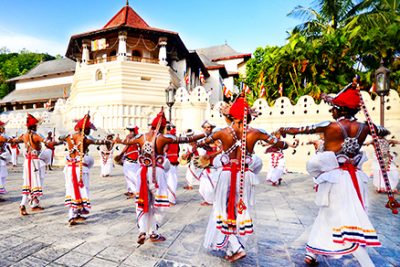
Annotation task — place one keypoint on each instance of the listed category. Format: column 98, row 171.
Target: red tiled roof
column 127, row 17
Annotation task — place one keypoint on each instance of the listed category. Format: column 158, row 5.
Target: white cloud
column 15, row 42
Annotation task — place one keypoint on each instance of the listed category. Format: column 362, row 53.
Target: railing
column 128, row 58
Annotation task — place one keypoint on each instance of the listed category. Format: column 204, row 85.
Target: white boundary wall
column 191, row 109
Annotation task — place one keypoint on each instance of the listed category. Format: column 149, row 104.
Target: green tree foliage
column 338, row 39
column 16, row 64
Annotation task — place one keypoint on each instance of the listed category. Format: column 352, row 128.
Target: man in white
column 14, row 153
column 192, row 172
column 129, row 159
column 4, row 157
column 106, row 157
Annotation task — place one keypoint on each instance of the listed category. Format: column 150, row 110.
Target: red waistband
column 71, row 162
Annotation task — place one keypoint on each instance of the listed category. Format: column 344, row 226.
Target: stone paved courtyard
column 282, row 218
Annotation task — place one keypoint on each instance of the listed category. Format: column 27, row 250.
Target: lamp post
column 382, row 81
column 170, row 99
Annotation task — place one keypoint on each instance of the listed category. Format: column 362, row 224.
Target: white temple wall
column 231, row 65
column 214, row 86
column 38, row 83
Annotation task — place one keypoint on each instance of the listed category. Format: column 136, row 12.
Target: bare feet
column 72, row 222
column 205, row 203
column 309, row 260
column 37, row 208
column 22, row 211
column 141, row 238
column 157, row 238
column 237, row 256
column 80, row 218
column 188, row 187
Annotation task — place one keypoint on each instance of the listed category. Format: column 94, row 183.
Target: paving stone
column 31, row 261
column 50, row 253
column 115, row 254
column 139, row 260
column 74, row 259
column 96, row 262
column 282, row 217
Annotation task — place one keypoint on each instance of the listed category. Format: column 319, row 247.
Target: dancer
column 317, row 143
column 77, row 169
column 152, row 188
column 208, row 176
column 390, row 165
column 14, row 152
column 172, row 152
column 192, row 172
column 230, row 222
column 106, row 157
column 276, row 162
column 34, row 165
column 50, row 149
column 342, row 225
column 4, row 157
column 129, row 159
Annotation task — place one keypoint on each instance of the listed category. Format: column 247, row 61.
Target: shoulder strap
column 360, row 128
column 345, row 135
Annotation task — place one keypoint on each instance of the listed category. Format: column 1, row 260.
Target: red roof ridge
column 127, row 17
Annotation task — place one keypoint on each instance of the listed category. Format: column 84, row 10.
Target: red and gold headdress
column 31, row 120
column 159, row 119
column 85, row 120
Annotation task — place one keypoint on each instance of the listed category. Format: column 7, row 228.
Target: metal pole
column 170, row 114
column 382, row 110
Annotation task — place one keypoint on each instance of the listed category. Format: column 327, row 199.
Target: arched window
column 136, row 53
column 99, row 75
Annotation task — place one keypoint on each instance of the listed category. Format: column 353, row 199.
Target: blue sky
column 46, row 25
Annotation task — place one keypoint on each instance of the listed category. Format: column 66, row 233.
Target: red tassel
column 143, row 200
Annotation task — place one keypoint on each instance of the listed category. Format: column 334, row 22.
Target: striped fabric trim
column 35, row 192
column 229, row 227
column 354, row 234
column 77, row 203
column 319, row 251
column 223, row 243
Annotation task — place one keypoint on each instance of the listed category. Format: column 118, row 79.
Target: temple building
column 121, row 72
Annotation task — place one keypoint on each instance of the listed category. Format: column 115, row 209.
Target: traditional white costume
column 4, row 158
column 225, row 232
column 106, row 160
column 276, row 165
column 209, row 177
column 151, row 190
column 342, row 224
column 131, row 167
column 192, row 172
column 34, row 170
column 14, row 154
column 172, row 176
column 77, row 190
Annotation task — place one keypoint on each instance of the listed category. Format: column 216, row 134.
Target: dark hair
column 346, row 112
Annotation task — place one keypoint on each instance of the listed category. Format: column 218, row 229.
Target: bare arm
column 272, row 140
column 183, row 139
column 310, row 129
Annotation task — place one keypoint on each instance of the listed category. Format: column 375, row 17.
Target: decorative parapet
column 182, row 95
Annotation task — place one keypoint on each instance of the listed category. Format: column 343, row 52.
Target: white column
column 85, row 53
column 162, row 55
column 121, row 55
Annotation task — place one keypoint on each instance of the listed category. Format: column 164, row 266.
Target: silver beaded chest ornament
column 392, row 202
